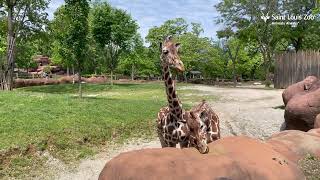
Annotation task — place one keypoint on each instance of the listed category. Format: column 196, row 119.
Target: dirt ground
column 243, row 111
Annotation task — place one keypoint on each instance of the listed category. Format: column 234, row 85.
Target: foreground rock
column 295, row 145
column 229, row 158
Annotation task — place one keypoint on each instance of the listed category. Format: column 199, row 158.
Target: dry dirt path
column 242, row 111
column 246, row 111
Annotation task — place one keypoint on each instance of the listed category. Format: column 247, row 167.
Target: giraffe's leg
column 161, row 138
column 172, row 144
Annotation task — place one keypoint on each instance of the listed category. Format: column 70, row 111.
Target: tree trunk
column 80, row 84
column 267, row 71
column 266, row 68
column 111, row 78
column 72, row 70
column 234, row 73
column 132, row 72
column 6, row 72
column 68, row 71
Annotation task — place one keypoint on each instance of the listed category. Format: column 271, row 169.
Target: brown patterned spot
column 184, row 129
column 175, row 103
column 170, row 90
column 166, row 75
column 170, row 128
column 175, row 137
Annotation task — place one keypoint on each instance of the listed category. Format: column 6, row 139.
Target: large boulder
column 301, row 111
column 233, row 158
column 297, row 88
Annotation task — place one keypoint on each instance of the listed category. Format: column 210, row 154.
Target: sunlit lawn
column 54, row 119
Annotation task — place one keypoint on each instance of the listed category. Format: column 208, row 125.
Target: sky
column 150, row 13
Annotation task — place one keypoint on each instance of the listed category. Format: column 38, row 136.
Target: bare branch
column 22, row 20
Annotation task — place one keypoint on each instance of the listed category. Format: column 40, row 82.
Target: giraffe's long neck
column 174, row 104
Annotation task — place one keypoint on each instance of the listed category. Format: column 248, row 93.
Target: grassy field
column 53, row 119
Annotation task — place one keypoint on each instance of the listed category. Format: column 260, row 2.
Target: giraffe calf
column 204, row 125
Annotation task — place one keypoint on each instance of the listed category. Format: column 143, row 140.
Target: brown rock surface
column 297, row 88
column 301, row 111
column 317, row 122
column 233, row 158
column 295, row 145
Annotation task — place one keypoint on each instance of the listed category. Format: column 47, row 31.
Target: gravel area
column 243, row 111
column 251, row 111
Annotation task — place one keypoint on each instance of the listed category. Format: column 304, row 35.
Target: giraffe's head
column 197, row 134
column 169, row 54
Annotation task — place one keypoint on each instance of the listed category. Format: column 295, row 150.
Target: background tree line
column 96, row 38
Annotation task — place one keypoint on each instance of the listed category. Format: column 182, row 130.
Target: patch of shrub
column 63, row 80
column 95, row 80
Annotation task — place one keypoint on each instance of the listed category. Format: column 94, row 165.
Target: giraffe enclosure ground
column 75, row 145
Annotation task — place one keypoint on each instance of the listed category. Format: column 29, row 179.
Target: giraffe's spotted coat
column 175, row 125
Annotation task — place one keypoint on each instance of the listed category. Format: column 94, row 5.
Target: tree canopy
column 113, row 29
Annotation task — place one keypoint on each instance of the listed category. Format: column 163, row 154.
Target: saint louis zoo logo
column 265, row 17
column 287, row 19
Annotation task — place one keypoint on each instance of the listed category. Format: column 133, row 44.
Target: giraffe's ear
column 169, row 38
column 178, row 45
column 160, row 46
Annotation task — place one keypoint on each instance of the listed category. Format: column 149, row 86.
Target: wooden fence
column 292, row 67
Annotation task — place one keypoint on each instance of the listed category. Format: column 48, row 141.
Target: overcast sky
column 149, row 13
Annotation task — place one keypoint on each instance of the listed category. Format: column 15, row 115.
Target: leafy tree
column 306, row 34
column 77, row 32
column 135, row 60
column 245, row 18
column 26, row 51
column 113, row 29
column 23, row 17
column 232, row 47
column 175, row 27
column 195, row 51
column 61, row 52
column 196, row 29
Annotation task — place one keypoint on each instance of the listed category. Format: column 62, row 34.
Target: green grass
column 53, row 119
column 310, row 165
